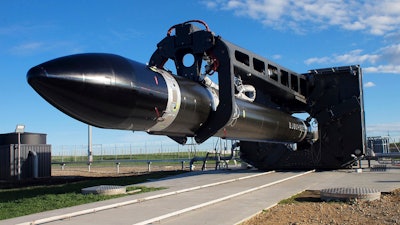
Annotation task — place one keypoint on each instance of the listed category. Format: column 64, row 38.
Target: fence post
column 149, row 166
column 130, row 151
column 183, row 165
column 62, row 153
column 118, row 163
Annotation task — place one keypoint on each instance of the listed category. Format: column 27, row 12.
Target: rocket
column 114, row 92
column 218, row 89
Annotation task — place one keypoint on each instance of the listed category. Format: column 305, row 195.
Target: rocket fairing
column 110, row 91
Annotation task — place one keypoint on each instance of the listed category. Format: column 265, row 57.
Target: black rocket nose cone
column 35, row 74
column 66, row 76
column 101, row 89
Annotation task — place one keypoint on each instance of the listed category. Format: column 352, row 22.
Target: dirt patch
column 307, row 208
column 108, row 171
column 71, row 174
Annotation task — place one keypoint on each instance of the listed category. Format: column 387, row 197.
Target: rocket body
column 110, row 91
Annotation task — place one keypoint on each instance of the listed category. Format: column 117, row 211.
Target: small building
column 34, row 155
column 378, row 144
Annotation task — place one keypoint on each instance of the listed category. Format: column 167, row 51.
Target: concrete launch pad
column 180, row 207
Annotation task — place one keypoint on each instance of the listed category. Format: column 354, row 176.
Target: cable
column 190, row 21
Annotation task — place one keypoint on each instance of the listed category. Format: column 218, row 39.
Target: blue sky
column 299, row 35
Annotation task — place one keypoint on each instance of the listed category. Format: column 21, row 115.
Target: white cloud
column 369, row 84
column 32, row 48
column 277, row 56
column 375, row 17
column 379, row 18
column 355, row 56
column 391, row 53
column 352, row 57
column 210, row 4
column 388, row 60
column 23, row 29
column 383, row 129
column 383, row 69
column 385, row 60
column 316, row 60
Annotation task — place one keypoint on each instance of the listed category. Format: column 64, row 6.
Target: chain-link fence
column 141, row 151
column 132, row 158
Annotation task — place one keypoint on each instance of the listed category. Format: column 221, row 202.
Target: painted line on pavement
column 179, row 212
column 116, row 205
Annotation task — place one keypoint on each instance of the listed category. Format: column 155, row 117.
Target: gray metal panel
column 14, row 161
column 9, row 161
column 5, row 157
column 44, row 155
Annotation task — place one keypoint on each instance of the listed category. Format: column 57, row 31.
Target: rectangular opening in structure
column 259, row 65
column 273, row 72
column 294, row 82
column 285, row 78
column 243, row 58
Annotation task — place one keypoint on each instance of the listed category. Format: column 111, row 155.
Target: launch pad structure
column 331, row 96
column 254, row 102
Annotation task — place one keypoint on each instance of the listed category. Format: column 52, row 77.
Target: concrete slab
column 226, row 212
column 104, row 190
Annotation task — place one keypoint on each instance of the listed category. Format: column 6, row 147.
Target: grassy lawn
column 15, row 202
column 305, row 196
column 155, row 156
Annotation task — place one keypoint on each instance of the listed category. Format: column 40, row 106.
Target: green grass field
column 15, row 202
column 155, row 156
column 50, row 194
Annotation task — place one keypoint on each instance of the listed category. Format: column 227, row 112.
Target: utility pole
column 19, row 130
column 90, row 152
